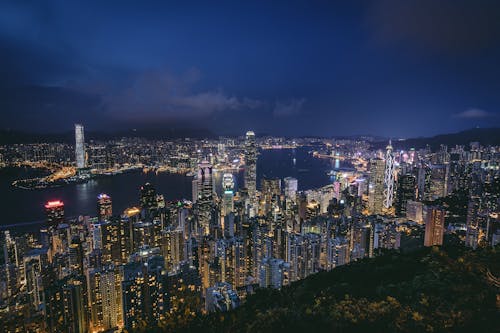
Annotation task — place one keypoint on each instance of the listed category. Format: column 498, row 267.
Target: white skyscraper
column 79, row 146
column 291, row 186
column 228, row 187
column 389, row 177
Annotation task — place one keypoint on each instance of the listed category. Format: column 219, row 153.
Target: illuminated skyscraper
column 406, row 192
column 205, row 195
column 434, row 225
column 172, row 248
column 75, row 316
column 274, row 273
column 388, row 177
column 376, row 186
column 144, row 291
column 54, row 210
column 476, row 229
column 104, row 298
column 291, row 186
column 76, row 256
column 271, row 190
column 148, row 197
column 221, row 297
column 104, row 207
column 79, row 146
column 414, row 211
column 251, row 166
column 65, row 306
column 438, row 181
column 35, row 272
column 228, row 196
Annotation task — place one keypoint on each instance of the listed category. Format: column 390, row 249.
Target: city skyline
column 304, row 69
column 149, row 261
column 249, row 166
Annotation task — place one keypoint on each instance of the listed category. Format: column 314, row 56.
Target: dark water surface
column 22, row 206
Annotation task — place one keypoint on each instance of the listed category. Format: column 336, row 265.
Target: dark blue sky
column 393, row 68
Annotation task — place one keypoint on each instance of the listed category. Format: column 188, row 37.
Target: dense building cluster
column 134, row 268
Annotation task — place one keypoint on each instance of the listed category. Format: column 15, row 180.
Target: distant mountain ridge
column 12, row 136
column 485, row 136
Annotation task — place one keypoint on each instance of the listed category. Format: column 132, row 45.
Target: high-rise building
column 148, row 197
column 389, row 177
column 194, row 189
column 414, row 211
column 172, row 248
column 424, row 182
column 10, row 264
column 274, row 273
column 376, row 186
column 221, row 297
column 291, row 187
column 232, row 261
column 104, row 207
column 205, row 195
column 406, row 191
column 104, row 298
column 35, row 269
column 271, row 190
column 65, row 306
column 438, row 181
column 228, row 195
column 54, row 211
column 80, row 146
column 98, row 157
column 75, row 251
column 386, row 236
column 144, row 290
column 75, row 315
column 114, row 239
column 434, row 225
column 251, row 166
column 474, row 232
column 337, row 252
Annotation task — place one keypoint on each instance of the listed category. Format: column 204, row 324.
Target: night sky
column 392, row 68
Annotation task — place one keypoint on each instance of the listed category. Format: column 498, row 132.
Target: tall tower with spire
column 251, row 166
column 389, row 176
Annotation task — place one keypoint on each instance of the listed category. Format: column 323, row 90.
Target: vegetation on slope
column 448, row 289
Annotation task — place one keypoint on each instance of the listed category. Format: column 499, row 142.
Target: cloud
column 288, row 108
column 473, row 113
column 162, row 95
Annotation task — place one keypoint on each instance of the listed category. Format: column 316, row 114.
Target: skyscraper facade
column 104, row 207
column 376, row 186
column 291, row 187
column 79, row 146
column 406, row 192
column 205, row 195
column 388, row 177
column 434, row 225
column 54, row 211
column 251, row 166
column 228, row 195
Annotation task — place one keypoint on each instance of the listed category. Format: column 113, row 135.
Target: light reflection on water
column 20, row 206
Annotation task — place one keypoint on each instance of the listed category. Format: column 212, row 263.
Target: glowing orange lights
column 54, row 204
column 132, row 211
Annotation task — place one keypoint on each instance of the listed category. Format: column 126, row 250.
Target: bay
column 26, row 206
